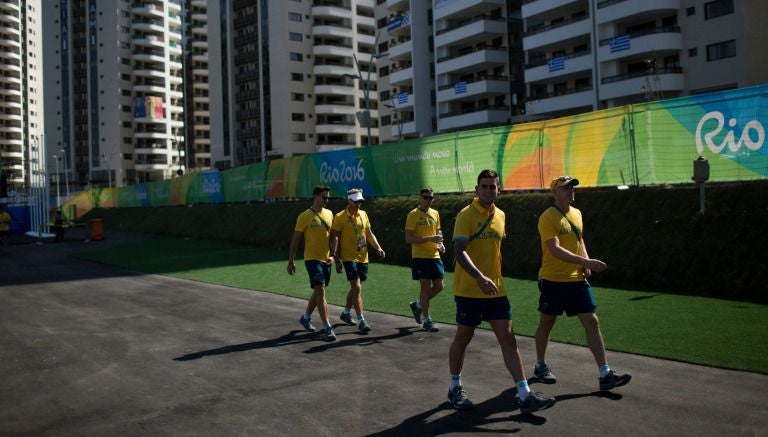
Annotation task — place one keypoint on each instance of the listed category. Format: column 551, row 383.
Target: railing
column 540, row 29
column 474, row 49
column 473, row 110
column 479, row 79
column 470, row 21
column 544, row 61
column 620, row 77
column 639, row 33
column 565, row 92
column 606, row 3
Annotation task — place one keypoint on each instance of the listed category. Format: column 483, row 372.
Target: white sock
column 604, row 369
column 522, row 389
column 455, row 381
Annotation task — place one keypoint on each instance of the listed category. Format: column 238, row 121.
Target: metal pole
column 58, row 176
column 66, row 171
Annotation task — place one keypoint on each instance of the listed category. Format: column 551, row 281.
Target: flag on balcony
column 619, row 43
column 460, row 87
column 399, row 21
column 555, row 64
column 402, row 98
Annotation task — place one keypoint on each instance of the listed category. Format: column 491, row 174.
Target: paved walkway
column 90, row 349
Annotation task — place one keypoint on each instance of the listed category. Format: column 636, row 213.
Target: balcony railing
column 539, row 29
column 607, row 3
column 470, row 21
column 472, row 110
column 626, row 76
column 544, row 61
column 639, row 33
column 479, row 79
column 474, row 49
column 565, row 92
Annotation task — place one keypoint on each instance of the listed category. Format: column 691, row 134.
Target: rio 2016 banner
column 640, row 144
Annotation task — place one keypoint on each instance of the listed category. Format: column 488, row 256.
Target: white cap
column 357, row 195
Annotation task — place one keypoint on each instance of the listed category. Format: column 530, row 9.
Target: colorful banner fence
column 641, row 144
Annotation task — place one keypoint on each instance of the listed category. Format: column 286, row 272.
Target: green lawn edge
column 697, row 330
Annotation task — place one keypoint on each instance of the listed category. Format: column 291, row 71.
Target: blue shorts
column 470, row 311
column 356, row 270
column 571, row 297
column 319, row 273
column 427, row 268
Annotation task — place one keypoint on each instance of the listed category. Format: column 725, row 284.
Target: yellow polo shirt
column 5, row 221
column 484, row 250
column 552, row 224
column 351, row 228
column 316, row 229
column 423, row 224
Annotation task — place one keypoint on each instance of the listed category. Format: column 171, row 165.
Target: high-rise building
column 590, row 54
column 196, row 92
column 22, row 130
column 291, row 77
column 114, row 84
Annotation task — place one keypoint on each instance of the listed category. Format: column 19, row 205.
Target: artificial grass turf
column 699, row 330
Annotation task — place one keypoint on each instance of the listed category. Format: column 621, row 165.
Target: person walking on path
column 480, row 295
column 423, row 233
column 350, row 236
column 314, row 227
column 565, row 268
column 5, row 225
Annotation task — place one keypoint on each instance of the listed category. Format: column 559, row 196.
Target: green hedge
column 651, row 238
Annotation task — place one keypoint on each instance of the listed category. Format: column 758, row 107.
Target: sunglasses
column 427, row 197
column 358, row 202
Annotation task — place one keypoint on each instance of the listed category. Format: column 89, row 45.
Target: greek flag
column 399, row 21
column 402, row 98
column 556, row 64
column 460, row 87
column 619, row 43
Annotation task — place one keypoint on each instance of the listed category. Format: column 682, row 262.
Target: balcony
column 613, row 10
column 453, row 9
column 148, row 26
column 556, row 33
column 494, row 115
column 473, row 31
column 332, row 31
column 401, row 76
column 402, row 100
column 472, row 90
column 400, row 50
column 398, row 128
column 562, row 100
column 665, row 79
column 331, row 11
column 480, row 59
column 339, row 108
column 532, row 8
column 545, row 70
column 656, row 40
column 343, row 51
column 335, row 128
column 334, row 89
column 333, row 70
column 398, row 5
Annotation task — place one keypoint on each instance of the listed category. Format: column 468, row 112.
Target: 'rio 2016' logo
column 342, row 172
column 730, row 137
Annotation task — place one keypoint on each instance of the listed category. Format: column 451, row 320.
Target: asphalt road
column 90, row 349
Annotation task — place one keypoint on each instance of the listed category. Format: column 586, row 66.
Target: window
column 690, row 11
column 297, row 116
column 297, row 77
column 384, row 71
column 297, row 97
column 692, row 52
column 386, row 120
column 298, row 137
column 717, row 8
column 721, row 50
column 296, row 56
column 384, row 95
column 293, row 16
column 294, row 36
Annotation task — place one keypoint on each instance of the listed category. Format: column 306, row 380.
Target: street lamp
column 396, row 111
column 364, row 117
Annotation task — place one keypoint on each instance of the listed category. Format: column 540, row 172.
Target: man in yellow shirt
column 480, row 295
column 314, row 226
column 5, row 225
column 351, row 231
column 565, row 267
column 423, row 233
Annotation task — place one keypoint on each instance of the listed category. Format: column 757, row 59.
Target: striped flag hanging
column 619, row 43
column 556, row 64
column 402, row 98
column 460, row 87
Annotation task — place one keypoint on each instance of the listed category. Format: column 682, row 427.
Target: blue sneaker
column 613, row 380
column 459, row 398
column 430, row 326
column 329, row 334
column 307, row 324
column 416, row 310
column 347, row 318
column 363, row 327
